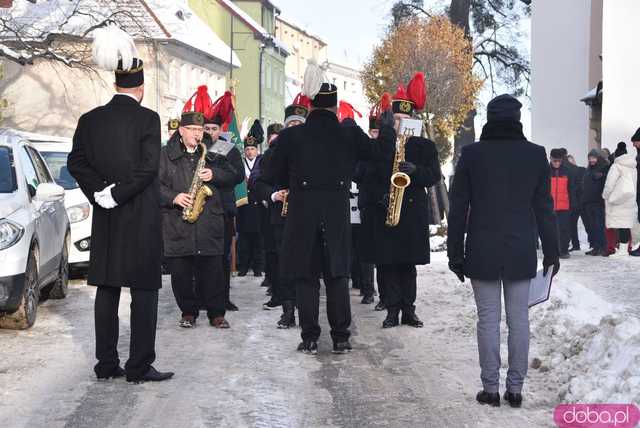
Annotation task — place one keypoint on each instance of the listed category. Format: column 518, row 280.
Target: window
column 174, row 78
column 7, row 171
column 345, row 85
column 41, row 168
column 29, row 171
column 57, row 162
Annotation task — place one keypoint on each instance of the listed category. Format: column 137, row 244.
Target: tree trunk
column 459, row 14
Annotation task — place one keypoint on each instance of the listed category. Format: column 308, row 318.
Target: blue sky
column 350, row 27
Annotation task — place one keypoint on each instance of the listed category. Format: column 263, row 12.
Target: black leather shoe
column 308, row 347
column 342, row 347
column 257, row 274
column 392, row 319
column 367, row 300
column 271, row 304
column 514, row 399
column 490, row 398
column 565, row 256
column 288, row 318
column 635, row 253
column 152, row 375
column 572, row 249
column 411, row 319
column 115, row 374
column 265, row 283
column 242, row 273
column 380, row 306
column 231, row 307
column 592, row 252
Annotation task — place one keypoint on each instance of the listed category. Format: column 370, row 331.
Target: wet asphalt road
column 251, row 376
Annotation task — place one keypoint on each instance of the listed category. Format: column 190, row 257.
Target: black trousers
column 564, row 230
column 308, row 299
column 283, row 288
column 270, row 250
column 250, row 252
column 380, row 282
column 573, row 227
column 229, row 232
column 399, row 283
column 593, row 215
column 144, row 317
column 209, row 287
column 361, row 273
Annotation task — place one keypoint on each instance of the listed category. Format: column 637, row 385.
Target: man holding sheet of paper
column 501, row 199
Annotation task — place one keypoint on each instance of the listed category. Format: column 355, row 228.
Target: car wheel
column 59, row 288
column 25, row 316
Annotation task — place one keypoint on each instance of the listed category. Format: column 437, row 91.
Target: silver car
column 34, row 233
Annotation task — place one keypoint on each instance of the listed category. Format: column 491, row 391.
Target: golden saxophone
column 285, row 205
column 399, row 181
column 198, row 191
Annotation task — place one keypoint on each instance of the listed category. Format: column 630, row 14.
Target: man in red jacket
column 561, row 187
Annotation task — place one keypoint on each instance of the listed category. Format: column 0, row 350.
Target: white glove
column 105, row 199
column 273, row 196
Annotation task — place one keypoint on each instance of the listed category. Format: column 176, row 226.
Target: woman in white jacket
column 621, row 208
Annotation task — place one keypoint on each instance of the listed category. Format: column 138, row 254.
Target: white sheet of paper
column 415, row 125
column 353, row 204
column 540, row 288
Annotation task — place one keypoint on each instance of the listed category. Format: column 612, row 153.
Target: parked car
column 55, row 151
column 34, row 233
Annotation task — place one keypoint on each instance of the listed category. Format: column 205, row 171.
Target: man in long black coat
column 115, row 158
column 500, row 194
column 397, row 250
column 315, row 161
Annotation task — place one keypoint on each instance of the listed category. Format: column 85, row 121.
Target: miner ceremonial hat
column 173, row 124
column 192, row 118
column 255, row 136
column 346, row 111
column 298, row 110
column 412, row 99
column 321, row 93
column 374, row 115
column 114, row 50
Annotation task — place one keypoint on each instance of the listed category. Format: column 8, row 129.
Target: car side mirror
column 49, row 192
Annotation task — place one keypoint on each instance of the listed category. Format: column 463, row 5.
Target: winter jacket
column 561, row 188
column 177, row 167
column 593, row 183
column 620, row 192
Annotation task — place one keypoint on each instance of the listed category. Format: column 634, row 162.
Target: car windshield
column 57, row 162
column 7, row 172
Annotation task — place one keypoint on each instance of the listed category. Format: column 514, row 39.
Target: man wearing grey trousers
column 501, row 198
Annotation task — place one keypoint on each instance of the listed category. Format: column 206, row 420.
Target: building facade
column 303, row 46
column 249, row 28
column 49, row 97
column 350, row 89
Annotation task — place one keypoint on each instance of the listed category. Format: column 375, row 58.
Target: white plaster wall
column 559, row 62
column 621, row 65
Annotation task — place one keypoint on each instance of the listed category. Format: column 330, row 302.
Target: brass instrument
column 399, row 181
column 198, row 191
column 285, row 205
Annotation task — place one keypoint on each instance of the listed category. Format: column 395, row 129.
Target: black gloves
column 547, row 263
column 407, row 167
column 457, row 268
column 387, row 119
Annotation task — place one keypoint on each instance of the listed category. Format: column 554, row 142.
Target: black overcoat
column 502, row 189
column 263, row 190
column 408, row 242
column 119, row 143
column 316, row 161
column 251, row 216
column 205, row 237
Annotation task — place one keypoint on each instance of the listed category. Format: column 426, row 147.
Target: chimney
column 6, row 3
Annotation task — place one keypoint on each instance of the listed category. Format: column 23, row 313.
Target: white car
column 34, row 233
column 55, row 151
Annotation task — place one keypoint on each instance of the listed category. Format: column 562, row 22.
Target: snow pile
column 588, row 351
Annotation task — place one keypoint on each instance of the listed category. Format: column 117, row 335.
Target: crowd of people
column 604, row 194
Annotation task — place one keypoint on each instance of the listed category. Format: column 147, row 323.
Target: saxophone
column 285, row 205
column 399, row 181
column 198, row 191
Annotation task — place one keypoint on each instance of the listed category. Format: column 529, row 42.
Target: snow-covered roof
column 143, row 19
column 253, row 24
column 185, row 26
column 292, row 23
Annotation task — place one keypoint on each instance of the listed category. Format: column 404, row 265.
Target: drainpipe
column 260, row 72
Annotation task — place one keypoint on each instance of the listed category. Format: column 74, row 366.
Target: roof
column 253, row 25
column 292, row 23
column 40, row 138
column 155, row 19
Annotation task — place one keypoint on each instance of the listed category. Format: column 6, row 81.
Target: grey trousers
column 488, row 304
